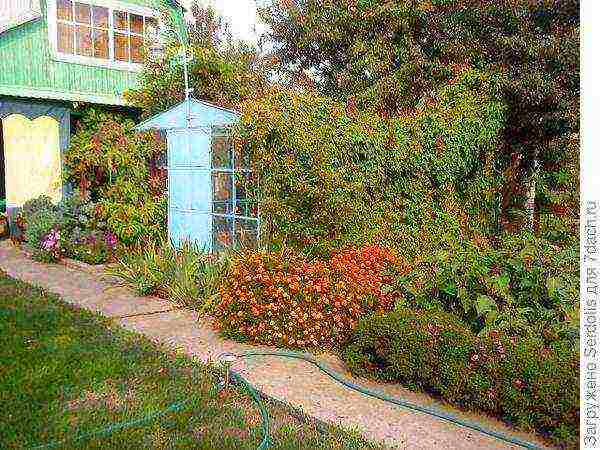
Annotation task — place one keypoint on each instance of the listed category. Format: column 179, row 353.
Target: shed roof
column 202, row 114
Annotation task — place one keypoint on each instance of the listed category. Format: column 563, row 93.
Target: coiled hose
column 265, row 442
column 381, row 396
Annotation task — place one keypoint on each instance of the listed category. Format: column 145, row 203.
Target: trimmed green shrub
column 524, row 381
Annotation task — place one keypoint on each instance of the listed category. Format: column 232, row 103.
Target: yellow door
column 32, row 159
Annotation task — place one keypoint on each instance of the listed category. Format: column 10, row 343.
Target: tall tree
column 392, row 54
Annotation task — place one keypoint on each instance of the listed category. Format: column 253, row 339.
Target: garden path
column 295, row 383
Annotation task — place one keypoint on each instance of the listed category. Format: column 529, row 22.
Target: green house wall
column 28, row 70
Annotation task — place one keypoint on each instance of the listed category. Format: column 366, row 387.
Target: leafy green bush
column 525, row 381
column 136, row 221
column 70, row 228
column 332, row 175
column 522, row 285
column 221, row 69
column 79, row 212
column 40, row 216
column 118, row 167
column 186, row 275
column 91, row 249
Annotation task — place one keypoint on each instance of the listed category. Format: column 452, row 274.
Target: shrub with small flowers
column 71, row 228
column 51, row 249
column 94, row 247
column 282, row 298
column 524, row 380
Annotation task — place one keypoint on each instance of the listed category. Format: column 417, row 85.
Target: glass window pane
column 121, row 47
column 246, row 208
column 136, row 23
column 65, row 38
column 246, row 233
column 100, row 16
column 83, row 41
column 222, row 193
column 100, row 44
column 222, row 233
column 151, row 28
column 136, row 49
column 221, row 152
column 83, row 13
column 64, row 10
column 120, row 21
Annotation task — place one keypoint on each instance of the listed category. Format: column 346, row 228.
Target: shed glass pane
column 222, row 233
column 234, row 194
column 222, row 192
column 245, row 194
column 246, row 233
column 242, row 158
column 221, row 149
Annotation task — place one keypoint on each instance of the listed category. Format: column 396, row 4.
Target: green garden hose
column 265, row 443
column 113, row 428
column 381, row 396
column 175, row 407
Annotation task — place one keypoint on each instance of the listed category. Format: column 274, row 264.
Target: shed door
column 32, row 159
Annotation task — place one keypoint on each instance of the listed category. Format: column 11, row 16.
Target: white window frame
column 110, row 63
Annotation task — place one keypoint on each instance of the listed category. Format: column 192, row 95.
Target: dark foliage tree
column 391, row 55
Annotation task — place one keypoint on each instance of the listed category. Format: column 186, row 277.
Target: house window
column 102, row 33
column 234, row 195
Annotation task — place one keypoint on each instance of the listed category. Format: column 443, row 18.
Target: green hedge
column 523, row 381
column 331, row 175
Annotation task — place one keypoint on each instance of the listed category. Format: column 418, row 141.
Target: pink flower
column 51, row 240
column 519, row 384
column 111, row 240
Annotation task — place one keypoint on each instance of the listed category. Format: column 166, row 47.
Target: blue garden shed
column 211, row 184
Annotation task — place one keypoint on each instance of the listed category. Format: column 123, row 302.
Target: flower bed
column 69, row 229
column 282, row 298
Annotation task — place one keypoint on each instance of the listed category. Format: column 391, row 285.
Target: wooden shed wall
column 28, row 70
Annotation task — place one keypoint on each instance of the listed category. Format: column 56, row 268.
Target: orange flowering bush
column 284, row 299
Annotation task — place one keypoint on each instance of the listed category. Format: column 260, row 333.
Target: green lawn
column 64, row 372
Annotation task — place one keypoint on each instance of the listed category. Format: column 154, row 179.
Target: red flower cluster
column 284, row 299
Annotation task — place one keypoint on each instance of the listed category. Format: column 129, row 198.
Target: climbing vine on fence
column 331, row 174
